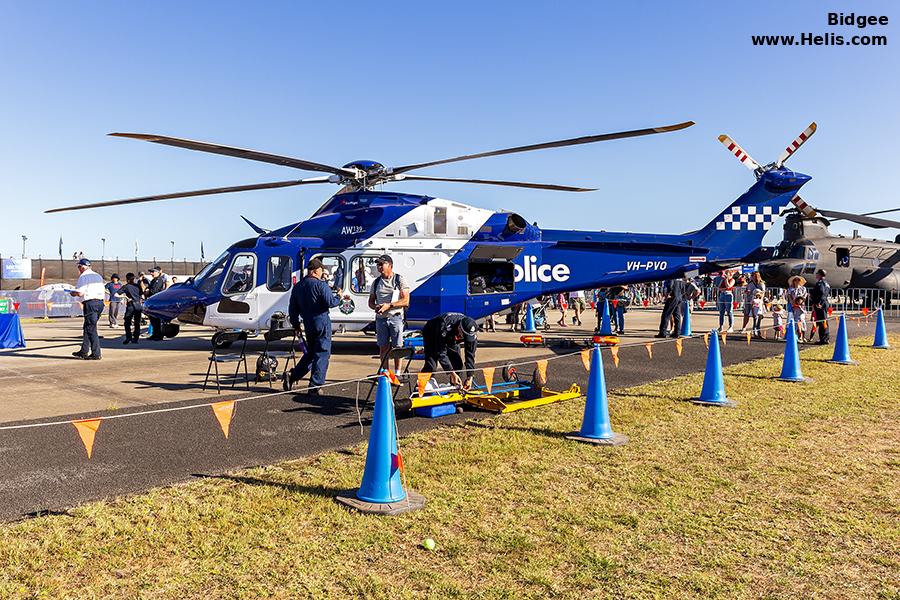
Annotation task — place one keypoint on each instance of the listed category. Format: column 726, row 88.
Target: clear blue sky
column 409, row 82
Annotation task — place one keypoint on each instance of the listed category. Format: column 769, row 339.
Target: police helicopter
column 808, row 246
column 456, row 257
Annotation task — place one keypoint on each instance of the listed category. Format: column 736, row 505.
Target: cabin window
column 843, row 257
column 440, row 220
column 334, row 270
column 278, row 273
column 241, row 276
column 363, row 271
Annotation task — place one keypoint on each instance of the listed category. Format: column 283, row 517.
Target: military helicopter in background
column 808, row 245
column 455, row 257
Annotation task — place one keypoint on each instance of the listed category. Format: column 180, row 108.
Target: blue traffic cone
column 605, row 325
column 790, row 368
column 881, row 341
column 686, row 320
column 713, row 392
column 381, row 490
column 529, row 319
column 595, row 427
column 842, row 346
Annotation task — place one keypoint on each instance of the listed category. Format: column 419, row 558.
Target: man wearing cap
column 310, row 301
column 91, row 290
column 388, row 297
column 112, row 288
column 441, row 336
column 156, row 285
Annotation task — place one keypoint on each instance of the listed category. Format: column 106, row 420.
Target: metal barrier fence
column 35, row 304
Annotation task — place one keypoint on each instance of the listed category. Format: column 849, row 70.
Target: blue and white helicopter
column 455, row 257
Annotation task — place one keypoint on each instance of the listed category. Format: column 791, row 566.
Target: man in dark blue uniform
column 441, row 337
column 818, row 298
column 310, row 301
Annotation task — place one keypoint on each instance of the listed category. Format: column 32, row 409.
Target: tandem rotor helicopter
column 456, row 257
column 808, row 246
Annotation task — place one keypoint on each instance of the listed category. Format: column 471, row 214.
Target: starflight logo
column 533, row 272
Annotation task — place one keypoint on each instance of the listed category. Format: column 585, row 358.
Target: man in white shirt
column 388, row 297
column 91, row 290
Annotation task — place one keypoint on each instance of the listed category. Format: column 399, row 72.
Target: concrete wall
column 66, row 271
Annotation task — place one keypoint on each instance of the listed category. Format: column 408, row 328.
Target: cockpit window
column 241, row 276
column 278, row 274
column 791, row 250
column 206, row 279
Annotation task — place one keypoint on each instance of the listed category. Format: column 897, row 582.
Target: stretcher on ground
column 505, row 396
column 532, row 340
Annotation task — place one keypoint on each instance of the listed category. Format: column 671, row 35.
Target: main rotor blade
column 207, row 192
column 274, row 159
column 881, row 212
column 536, row 186
column 570, row 142
column 875, row 222
column 739, row 152
column 795, row 145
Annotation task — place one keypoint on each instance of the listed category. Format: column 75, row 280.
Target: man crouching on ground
column 441, row 336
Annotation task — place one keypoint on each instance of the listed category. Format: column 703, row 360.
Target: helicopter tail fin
column 739, row 229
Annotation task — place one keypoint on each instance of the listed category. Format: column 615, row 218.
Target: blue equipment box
column 433, row 412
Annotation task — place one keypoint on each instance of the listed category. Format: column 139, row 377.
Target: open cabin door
column 490, row 278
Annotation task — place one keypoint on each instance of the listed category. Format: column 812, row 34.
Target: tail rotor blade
column 739, row 152
column 206, row 192
column 795, row 145
column 805, row 209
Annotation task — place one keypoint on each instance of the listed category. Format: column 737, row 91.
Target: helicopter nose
column 774, row 273
column 180, row 301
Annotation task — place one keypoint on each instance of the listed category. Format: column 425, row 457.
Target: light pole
column 24, row 239
column 103, row 246
column 173, row 249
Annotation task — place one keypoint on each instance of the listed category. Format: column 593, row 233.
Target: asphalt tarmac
column 46, row 469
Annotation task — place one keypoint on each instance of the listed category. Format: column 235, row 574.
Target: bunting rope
column 539, row 362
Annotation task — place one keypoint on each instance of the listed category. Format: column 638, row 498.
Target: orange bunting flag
column 865, row 311
column 87, row 429
column 397, row 462
column 678, row 346
column 614, row 350
column 223, row 412
column 586, row 359
column 706, row 340
column 423, row 381
column 649, row 348
column 542, row 369
column 724, row 338
column 749, row 335
column 49, row 306
column 488, row 378
column 392, row 377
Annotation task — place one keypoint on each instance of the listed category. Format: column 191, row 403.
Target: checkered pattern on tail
column 748, row 218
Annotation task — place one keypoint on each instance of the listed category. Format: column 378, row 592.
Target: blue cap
column 84, row 262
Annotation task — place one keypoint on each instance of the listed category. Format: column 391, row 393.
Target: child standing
column 758, row 311
column 778, row 317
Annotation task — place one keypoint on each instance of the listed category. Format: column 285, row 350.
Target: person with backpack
column 388, row 298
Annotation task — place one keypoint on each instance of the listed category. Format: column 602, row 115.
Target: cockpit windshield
column 206, row 280
column 790, row 250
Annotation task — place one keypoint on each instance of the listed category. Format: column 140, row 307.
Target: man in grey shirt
column 388, row 297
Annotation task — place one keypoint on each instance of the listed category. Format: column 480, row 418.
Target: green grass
column 794, row 493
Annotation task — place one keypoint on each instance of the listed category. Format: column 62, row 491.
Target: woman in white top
column 796, row 301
